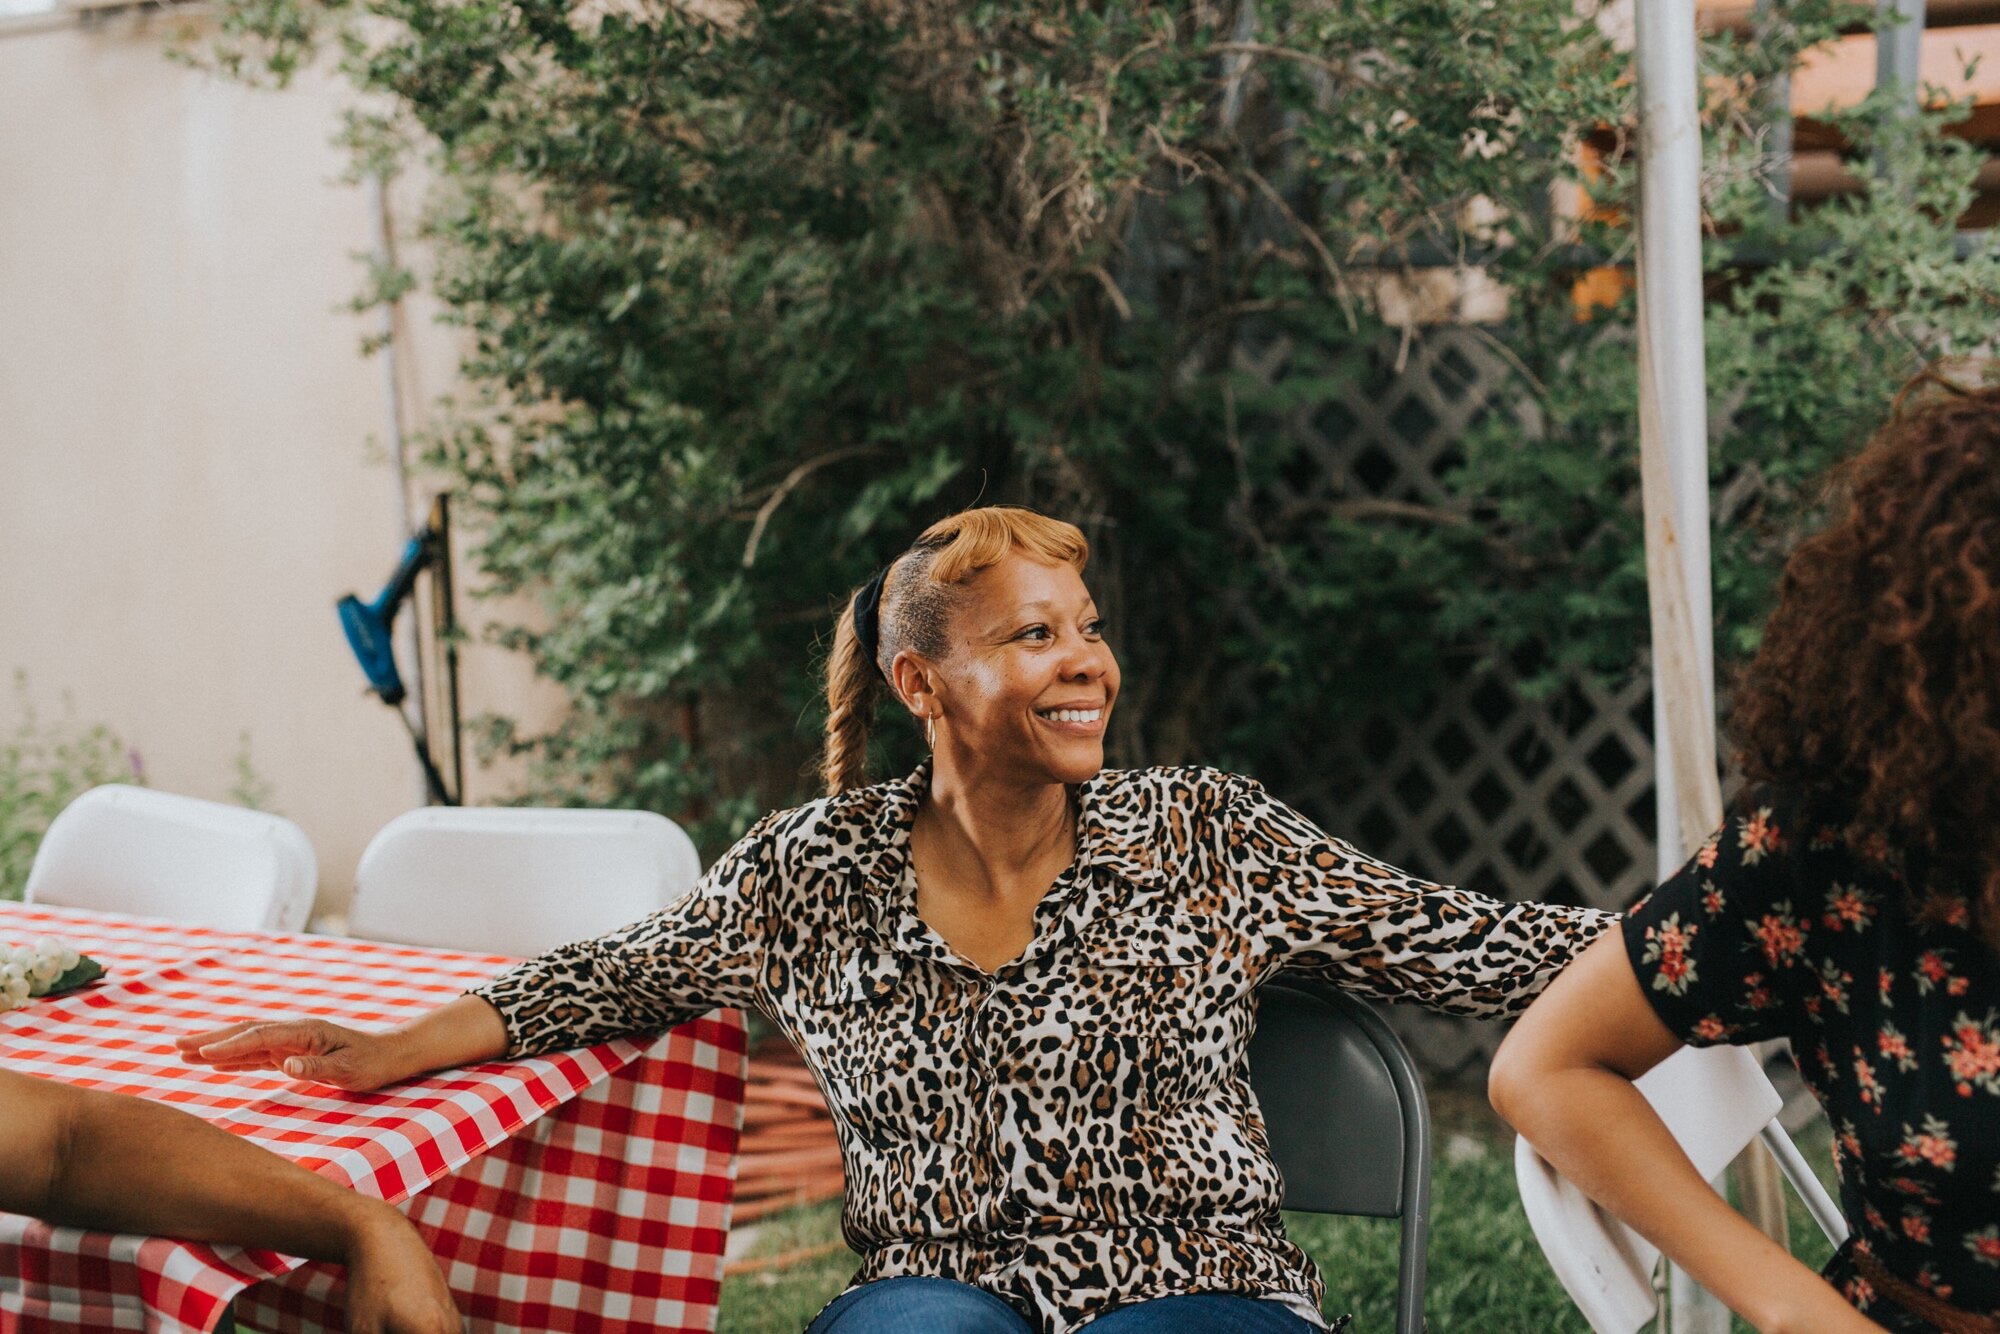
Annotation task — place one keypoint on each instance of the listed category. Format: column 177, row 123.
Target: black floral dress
column 1788, row 926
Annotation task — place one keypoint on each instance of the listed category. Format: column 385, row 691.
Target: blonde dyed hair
column 922, row 589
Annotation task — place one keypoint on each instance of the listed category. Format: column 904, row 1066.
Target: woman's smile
column 1079, row 720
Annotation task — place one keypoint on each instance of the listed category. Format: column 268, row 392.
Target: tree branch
column 789, row 485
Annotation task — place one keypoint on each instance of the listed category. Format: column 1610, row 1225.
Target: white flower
column 40, row 964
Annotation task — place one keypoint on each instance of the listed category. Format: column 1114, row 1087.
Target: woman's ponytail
column 850, row 687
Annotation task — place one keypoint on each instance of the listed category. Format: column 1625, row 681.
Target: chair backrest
column 1715, row 1101
column 516, row 880
column 1348, row 1123
column 132, row 850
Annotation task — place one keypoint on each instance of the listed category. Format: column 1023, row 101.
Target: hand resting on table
column 463, row 1032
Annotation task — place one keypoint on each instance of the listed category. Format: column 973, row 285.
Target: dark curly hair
column 1875, row 695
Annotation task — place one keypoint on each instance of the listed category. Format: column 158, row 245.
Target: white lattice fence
column 1519, row 798
column 1522, row 799
column 1396, row 437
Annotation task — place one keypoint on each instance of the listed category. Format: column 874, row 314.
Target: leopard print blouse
column 1074, row 1131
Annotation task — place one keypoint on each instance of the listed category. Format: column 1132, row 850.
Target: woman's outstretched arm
column 1563, row 1079
column 704, row 951
column 98, row 1160
column 1332, row 911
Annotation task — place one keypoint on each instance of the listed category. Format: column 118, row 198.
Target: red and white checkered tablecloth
column 585, row 1190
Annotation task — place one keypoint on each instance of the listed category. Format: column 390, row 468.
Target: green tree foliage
column 754, row 291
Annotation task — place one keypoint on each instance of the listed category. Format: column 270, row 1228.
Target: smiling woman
column 1026, row 983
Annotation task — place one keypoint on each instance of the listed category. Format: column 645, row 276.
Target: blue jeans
column 940, row 1306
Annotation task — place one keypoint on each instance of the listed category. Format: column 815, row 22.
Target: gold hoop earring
column 930, row 730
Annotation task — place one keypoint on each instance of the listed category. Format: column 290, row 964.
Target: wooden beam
column 1737, row 15
column 1841, row 73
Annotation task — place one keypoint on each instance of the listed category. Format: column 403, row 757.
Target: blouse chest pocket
column 864, row 1028
column 1168, row 994
column 856, row 1014
column 1147, row 941
column 1150, row 950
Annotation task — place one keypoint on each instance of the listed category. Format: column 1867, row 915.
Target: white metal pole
column 1673, row 445
column 1899, row 50
column 1673, row 428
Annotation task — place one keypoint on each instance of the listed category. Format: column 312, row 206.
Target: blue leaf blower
column 368, row 623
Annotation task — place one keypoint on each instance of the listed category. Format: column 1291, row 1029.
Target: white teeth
column 1073, row 715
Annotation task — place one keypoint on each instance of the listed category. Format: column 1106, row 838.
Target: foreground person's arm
column 706, row 950
column 1713, row 956
column 98, row 1160
column 1563, row 1078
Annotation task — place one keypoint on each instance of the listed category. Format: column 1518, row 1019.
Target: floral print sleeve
column 704, row 951
column 1364, row 925
column 1720, row 947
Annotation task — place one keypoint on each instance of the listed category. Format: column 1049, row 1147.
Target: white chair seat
column 132, row 850
column 516, row 881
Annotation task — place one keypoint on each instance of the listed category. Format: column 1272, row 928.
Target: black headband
column 868, row 618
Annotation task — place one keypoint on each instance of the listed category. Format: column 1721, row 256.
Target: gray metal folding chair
column 1347, row 1118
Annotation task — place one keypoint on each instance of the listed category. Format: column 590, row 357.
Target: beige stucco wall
column 191, row 441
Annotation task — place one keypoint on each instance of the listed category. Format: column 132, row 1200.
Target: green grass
column 787, row 1299
column 1486, row 1274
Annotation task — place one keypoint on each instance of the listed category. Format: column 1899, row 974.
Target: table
column 585, row 1190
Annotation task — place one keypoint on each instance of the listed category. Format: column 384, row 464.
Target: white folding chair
column 515, row 880
column 1715, row 1100
column 132, row 850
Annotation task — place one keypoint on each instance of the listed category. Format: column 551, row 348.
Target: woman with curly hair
column 1851, row 904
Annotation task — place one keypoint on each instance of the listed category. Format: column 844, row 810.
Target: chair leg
column 1414, row 1254
column 1799, row 1172
column 1410, row 1275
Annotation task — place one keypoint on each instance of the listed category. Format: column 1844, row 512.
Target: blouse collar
column 867, row 830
